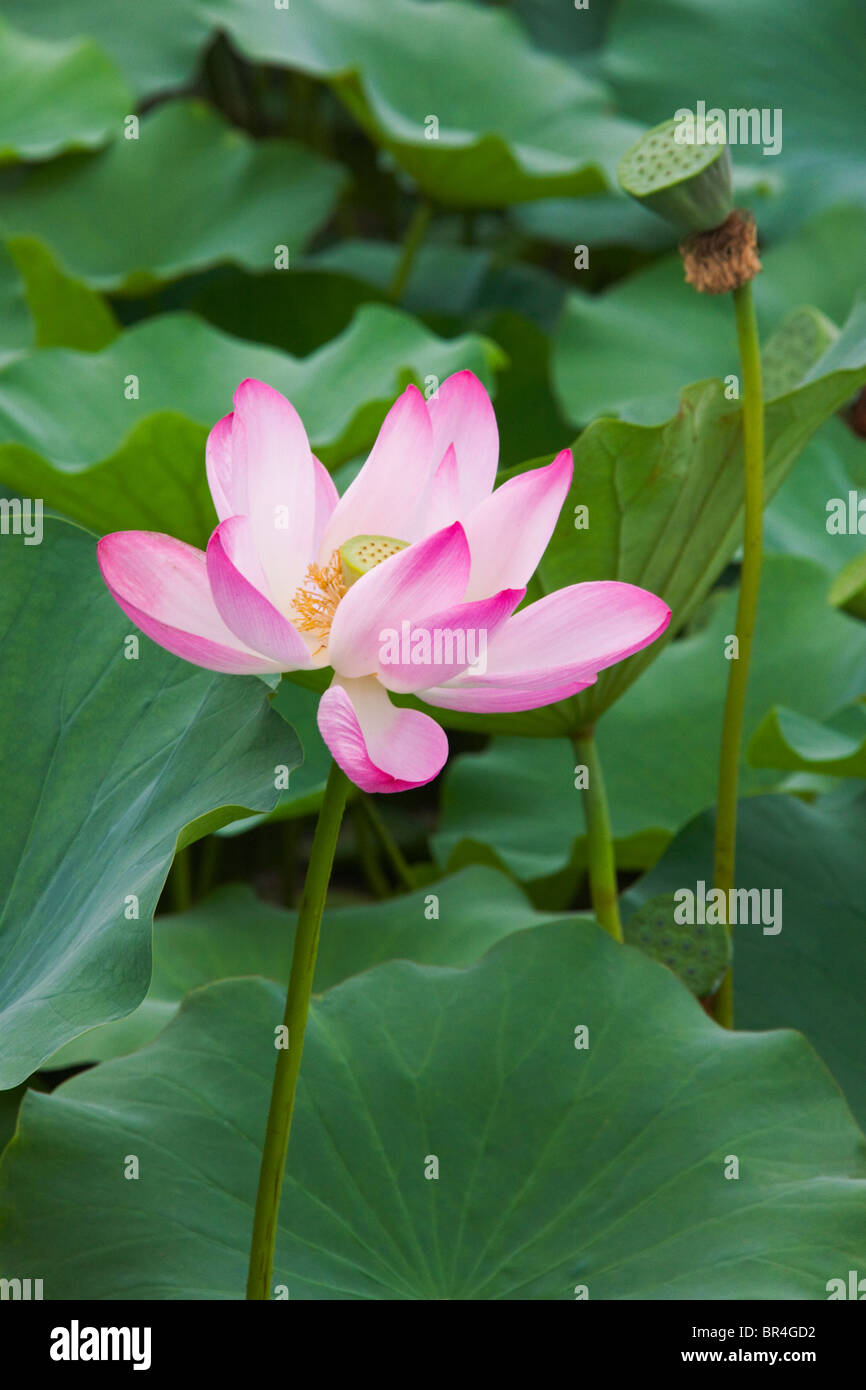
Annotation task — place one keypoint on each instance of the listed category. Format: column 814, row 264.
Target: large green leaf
column 606, row 219
column 630, row 350
column 558, row 1166
column 300, row 708
column 615, row 220
column 443, row 278
column 65, row 312
column 235, row 933
column 789, row 740
column 795, row 522
column 665, row 510
column 56, row 96
column 848, row 590
column 156, row 52
column 531, row 832
column 16, row 324
column 546, row 130
column 659, row 743
column 42, row 307
column 573, row 31
column 10, row 1104
column 108, row 759
column 666, row 502
column 451, row 288
column 297, row 313
column 190, row 192
column 449, row 282
column 810, row 974
column 70, row 435
column 764, row 54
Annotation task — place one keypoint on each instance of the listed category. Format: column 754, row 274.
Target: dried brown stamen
column 725, row 257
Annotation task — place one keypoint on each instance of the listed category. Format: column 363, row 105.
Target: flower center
column 315, row 602
column 363, row 553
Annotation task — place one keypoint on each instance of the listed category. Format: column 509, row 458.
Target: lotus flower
column 397, row 585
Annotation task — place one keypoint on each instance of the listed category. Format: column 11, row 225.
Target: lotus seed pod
column 697, row 953
column 803, row 336
column 363, row 553
column 687, row 184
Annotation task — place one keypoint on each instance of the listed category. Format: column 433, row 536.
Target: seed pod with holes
column 688, row 184
column 803, row 336
column 363, row 553
column 699, row 954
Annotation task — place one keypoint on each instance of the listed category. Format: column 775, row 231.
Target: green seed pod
column 363, row 553
column 698, row 954
column 687, row 184
column 801, row 338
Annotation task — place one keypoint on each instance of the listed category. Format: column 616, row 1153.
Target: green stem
column 373, row 871
column 414, row 236
column 288, row 1063
column 750, row 580
column 393, row 852
column 602, row 860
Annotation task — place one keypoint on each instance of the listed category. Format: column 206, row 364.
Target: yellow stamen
column 316, row 601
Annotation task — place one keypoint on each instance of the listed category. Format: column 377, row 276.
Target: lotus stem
column 602, row 860
column 414, row 236
column 750, row 579
column 288, row 1064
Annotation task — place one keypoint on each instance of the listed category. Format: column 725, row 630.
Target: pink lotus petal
column 243, row 607
column 383, row 498
column 508, row 533
column 440, row 504
column 327, row 498
column 591, row 625
column 162, row 586
column 274, row 484
column 441, row 646
column 462, row 415
column 557, row 646
column 381, row 748
column 478, row 696
column 218, row 462
column 428, row 576
column 244, row 555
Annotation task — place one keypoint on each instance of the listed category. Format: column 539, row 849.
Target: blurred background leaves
column 341, row 199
